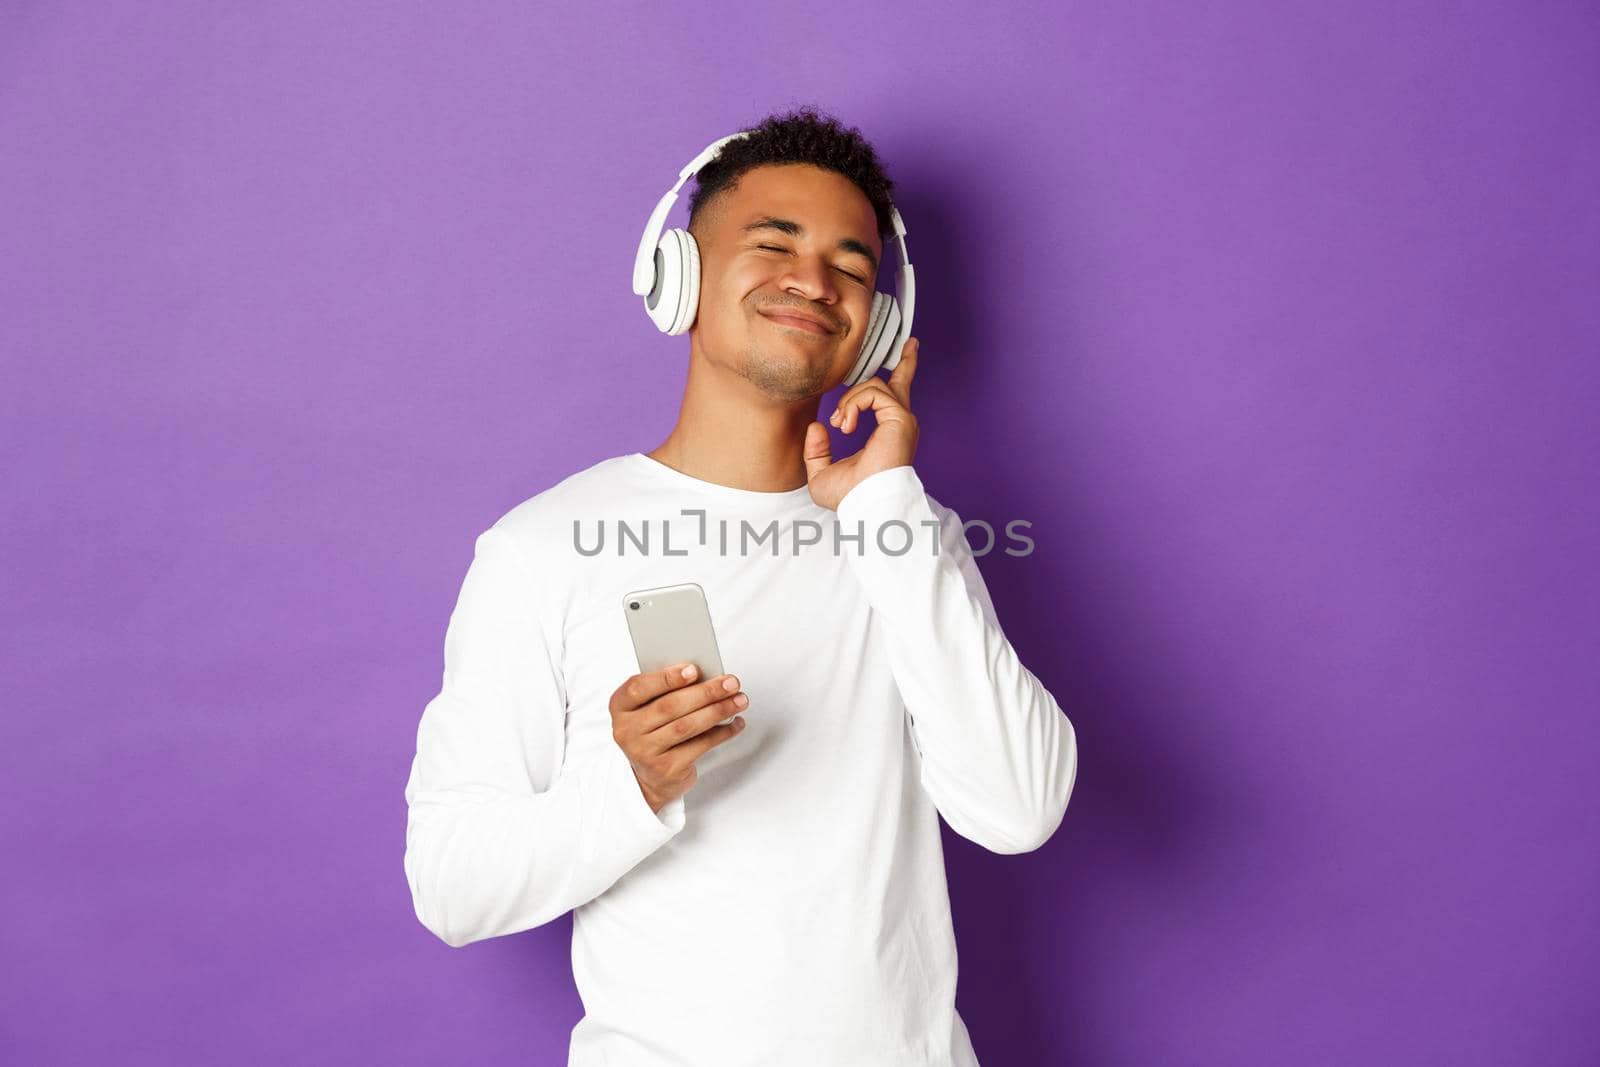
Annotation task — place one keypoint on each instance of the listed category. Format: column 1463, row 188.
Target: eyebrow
column 794, row 229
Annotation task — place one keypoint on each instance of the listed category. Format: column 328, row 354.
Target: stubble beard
column 784, row 379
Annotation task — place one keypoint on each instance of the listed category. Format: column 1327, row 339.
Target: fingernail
column 741, row 701
column 688, row 672
column 730, row 683
column 738, row 724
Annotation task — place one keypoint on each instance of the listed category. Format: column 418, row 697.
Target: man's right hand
column 664, row 721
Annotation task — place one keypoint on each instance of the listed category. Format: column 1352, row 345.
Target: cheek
column 860, row 310
column 747, row 282
column 731, row 294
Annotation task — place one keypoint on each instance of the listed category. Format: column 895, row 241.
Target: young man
column 770, row 890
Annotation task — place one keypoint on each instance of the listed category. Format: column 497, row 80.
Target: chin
column 787, row 374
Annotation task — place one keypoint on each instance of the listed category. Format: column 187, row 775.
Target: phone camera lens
column 634, row 605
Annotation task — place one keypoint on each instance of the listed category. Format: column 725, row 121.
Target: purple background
column 1279, row 322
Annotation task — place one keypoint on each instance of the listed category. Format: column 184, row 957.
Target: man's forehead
column 804, row 200
column 813, row 198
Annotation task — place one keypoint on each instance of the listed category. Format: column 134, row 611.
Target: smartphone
column 672, row 624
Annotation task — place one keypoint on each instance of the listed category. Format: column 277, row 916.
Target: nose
column 810, row 277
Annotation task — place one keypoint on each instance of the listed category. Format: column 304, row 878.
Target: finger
column 853, row 395
column 904, row 371
column 696, row 747
column 694, row 724
column 676, row 705
column 640, row 689
column 850, row 408
column 884, row 405
column 818, row 451
column 850, row 394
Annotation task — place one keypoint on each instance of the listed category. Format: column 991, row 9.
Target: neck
column 730, row 432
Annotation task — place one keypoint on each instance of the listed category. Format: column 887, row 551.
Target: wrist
column 655, row 801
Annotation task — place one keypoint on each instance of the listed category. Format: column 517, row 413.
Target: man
column 767, row 890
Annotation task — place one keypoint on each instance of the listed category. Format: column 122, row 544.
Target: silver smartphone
column 672, row 624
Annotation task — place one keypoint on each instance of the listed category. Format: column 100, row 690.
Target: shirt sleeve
column 999, row 756
column 502, row 833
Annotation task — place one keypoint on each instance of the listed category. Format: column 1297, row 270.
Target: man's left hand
column 893, row 442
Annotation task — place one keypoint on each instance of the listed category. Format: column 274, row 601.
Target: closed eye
column 847, row 274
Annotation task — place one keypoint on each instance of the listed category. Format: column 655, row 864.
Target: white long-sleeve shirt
column 791, row 907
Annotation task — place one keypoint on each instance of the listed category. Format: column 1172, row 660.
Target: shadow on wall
column 1144, row 818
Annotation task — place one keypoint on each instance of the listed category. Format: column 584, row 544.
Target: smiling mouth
column 796, row 324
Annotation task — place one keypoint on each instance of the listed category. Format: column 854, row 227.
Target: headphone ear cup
column 676, row 295
column 665, row 297
column 869, row 342
column 691, row 285
column 889, row 354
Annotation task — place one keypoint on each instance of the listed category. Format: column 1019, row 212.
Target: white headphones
column 666, row 272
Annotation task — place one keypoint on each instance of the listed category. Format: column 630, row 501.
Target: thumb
column 818, row 450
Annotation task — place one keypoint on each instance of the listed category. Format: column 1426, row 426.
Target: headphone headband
column 644, row 260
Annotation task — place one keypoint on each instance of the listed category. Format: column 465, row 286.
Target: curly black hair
column 803, row 135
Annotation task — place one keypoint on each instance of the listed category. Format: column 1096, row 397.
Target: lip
column 798, row 322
